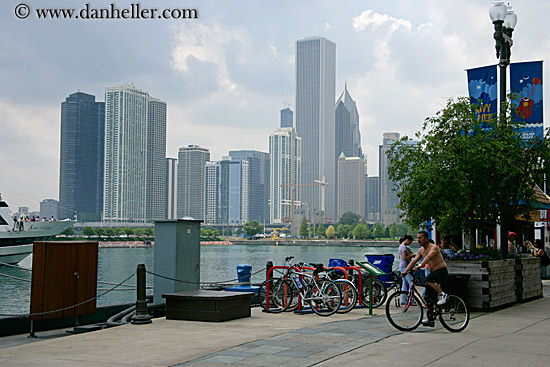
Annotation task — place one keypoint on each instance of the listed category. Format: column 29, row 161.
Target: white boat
column 17, row 235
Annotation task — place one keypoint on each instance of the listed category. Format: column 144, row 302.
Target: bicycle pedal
column 428, row 323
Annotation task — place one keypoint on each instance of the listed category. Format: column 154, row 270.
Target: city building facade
column 171, row 188
column 351, row 185
column 191, row 181
column 81, row 157
column 156, row 194
column 389, row 213
column 285, row 154
column 49, row 209
column 315, row 96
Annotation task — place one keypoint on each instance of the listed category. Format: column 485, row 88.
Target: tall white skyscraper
column 125, row 168
column 191, row 181
column 156, row 159
column 285, row 154
column 171, row 187
column 351, row 185
column 315, row 98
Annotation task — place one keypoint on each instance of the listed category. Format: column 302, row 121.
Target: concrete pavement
column 517, row 335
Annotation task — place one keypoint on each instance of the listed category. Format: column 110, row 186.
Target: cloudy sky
column 226, row 75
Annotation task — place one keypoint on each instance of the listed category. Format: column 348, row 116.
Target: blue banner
column 482, row 87
column 526, row 90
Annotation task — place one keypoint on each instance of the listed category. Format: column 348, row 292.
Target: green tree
column 138, row 232
column 89, row 232
column 361, row 231
column 378, row 230
column 394, row 230
column 253, row 227
column 303, row 228
column 349, row 218
column 331, row 232
column 118, row 231
column 100, row 232
column 149, row 232
column 109, row 232
column 321, row 231
column 68, row 232
column 466, row 174
column 344, row 230
column 128, row 231
column 402, row 229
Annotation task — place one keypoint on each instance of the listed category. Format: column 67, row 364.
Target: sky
column 226, row 75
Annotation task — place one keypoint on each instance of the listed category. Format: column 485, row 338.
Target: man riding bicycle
column 432, row 256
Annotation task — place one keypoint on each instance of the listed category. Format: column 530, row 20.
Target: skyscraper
column 81, row 157
column 315, row 92
column 351, row 185
column 389, row 213
column 171, row 188
column 285, row 154
column 156, row 159
column 135, row 149
column 372, row 199
column 287, row 117
column 191, row 181
column 258, row 184
column 234, row 178
column 212, row 203
column 348, row 137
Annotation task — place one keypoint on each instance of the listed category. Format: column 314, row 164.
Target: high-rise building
column 81, row 157
column 234, row 178
column 156, row 159
column 287, row 117
column 212, row 203
column 171, row 188
column 135, row 150
column 372, row 199
column 315, row 96
column 49, row 209
column 351, row 185
column 285, row 154
column 258, row 184
column 191, row 181
column 348, row 137
column 389, row 213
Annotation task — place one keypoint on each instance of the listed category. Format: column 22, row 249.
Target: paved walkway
column 517, row 335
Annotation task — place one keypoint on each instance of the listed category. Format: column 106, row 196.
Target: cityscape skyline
column 226, row 73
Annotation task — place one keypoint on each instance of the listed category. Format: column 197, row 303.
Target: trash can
column 458, row 284
column 243, row 273
column 382, row 262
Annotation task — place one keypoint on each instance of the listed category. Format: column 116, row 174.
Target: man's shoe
column 428, row 322
column 442, row 298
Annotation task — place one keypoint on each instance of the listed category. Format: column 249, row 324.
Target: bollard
column 268, row 267
column 141, row 316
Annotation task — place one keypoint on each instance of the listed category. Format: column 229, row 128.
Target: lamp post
column 504, row 20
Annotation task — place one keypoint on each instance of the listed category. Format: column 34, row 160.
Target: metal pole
column 141, row 316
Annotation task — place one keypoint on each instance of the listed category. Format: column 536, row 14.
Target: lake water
column 218, row 264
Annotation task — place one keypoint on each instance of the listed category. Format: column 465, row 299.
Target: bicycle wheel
column 454, row 314
column 275, row 295
column 324, row 297
column 407, row 316
column 349, row 295
column 379, row 293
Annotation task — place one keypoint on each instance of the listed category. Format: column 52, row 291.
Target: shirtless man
column 438, row 269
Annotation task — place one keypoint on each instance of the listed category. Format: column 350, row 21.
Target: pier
column 509, row 337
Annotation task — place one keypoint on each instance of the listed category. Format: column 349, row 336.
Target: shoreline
column 271, row 242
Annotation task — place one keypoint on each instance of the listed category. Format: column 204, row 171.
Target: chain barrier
column 73, row 306
column 201, row 283
column 14, row 266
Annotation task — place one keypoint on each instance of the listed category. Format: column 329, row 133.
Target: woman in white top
column 405, row 256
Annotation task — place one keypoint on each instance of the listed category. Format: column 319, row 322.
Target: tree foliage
column 349, row 218
column 321, row 231
column 464, row 173
column 331, row 232
column 303, row 228
column 253, row 227
column 378, row 230
column 361, row 231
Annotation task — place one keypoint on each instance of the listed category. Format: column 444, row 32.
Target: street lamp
column 504, row 20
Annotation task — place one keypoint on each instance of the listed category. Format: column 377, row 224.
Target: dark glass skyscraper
column 81, row 157
column 287, row 117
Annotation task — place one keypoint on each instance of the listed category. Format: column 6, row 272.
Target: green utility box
column 177, row 256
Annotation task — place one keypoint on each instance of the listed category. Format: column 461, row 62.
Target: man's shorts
column 438, row 276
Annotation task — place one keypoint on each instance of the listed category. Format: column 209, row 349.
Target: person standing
column 405, row 256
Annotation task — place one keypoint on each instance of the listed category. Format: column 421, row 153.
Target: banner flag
column 526, row 90
column 482, row 87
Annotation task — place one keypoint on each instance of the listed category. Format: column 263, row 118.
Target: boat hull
column 14, row 254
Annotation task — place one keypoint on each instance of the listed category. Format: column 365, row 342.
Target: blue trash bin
column 382, row 262
column 244, row 272
column 333, row 263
